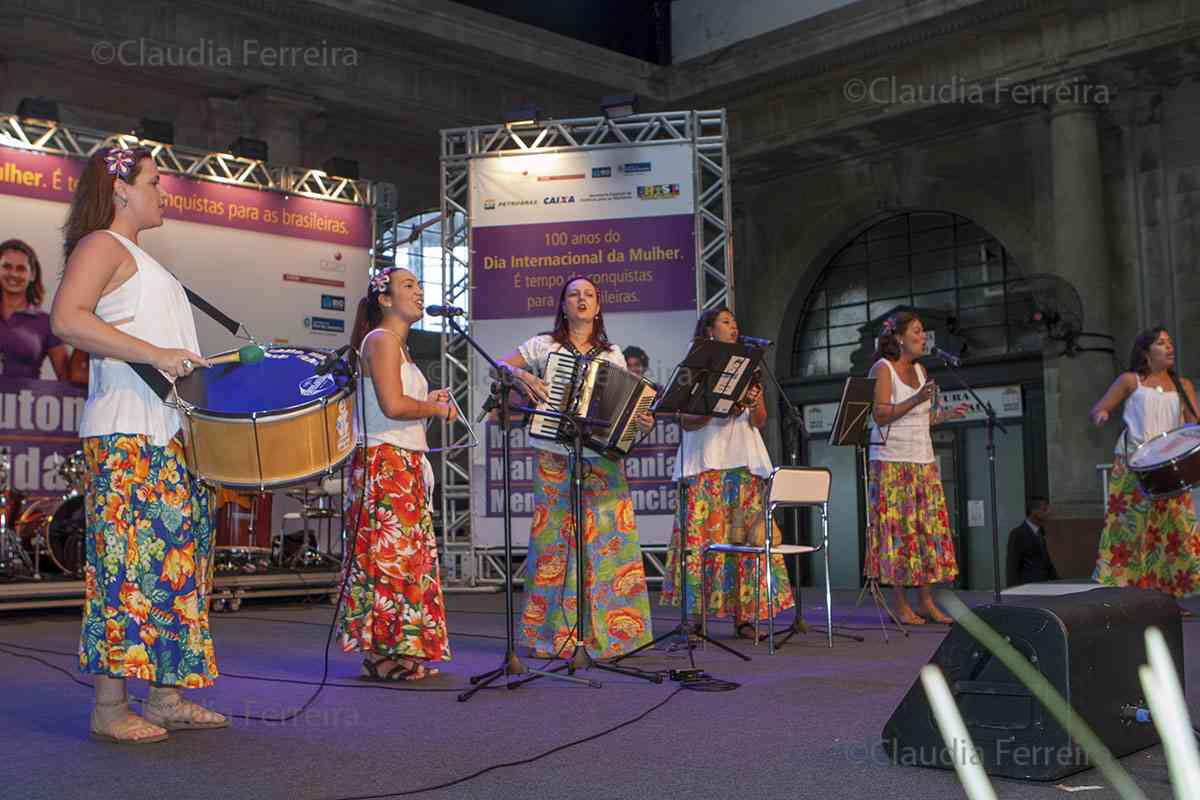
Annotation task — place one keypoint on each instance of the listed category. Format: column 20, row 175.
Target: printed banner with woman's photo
column 624, row 218
column 289, row 268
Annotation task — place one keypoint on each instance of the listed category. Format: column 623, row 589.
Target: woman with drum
column 619, row 604
column 909, row 541
column 723, row 465
column 149, row 534
column 1151, row 543
column 394, row 612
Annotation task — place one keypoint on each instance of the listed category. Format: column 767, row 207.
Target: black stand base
column 512, row 666
column 800, row 626
column 881, row 606
column 685, row 631
column 581, row 659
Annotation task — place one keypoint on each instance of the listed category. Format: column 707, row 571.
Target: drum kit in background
column 44, row 535
column 282, row 421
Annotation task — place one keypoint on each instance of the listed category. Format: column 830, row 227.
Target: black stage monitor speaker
column 1089, row 645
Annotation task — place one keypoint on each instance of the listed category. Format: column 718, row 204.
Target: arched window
column 951, row 270
column 417, row 243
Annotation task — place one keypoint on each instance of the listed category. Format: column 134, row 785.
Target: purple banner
column 39, row 423
column 648, row 469
column 640, row 264
column 47, row 177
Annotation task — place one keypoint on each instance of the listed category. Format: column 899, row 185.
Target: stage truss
column 42, row 136
column 707, row 132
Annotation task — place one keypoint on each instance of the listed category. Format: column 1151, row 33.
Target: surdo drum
column 1168, row 464
column 268, row 424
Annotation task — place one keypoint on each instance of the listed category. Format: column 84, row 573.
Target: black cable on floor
column 523, row 761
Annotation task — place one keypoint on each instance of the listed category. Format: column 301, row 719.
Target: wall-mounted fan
column 1051, row 305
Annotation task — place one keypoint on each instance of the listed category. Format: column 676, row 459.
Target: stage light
column 39, row 108
column 339, row 167
column 524, row 117
column 619, row 105
column 244, row 147
column 156, row 130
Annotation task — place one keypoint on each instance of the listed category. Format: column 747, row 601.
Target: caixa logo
column 549, row 201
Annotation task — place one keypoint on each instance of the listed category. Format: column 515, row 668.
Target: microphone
column 331, row 360
column 953, row 361
column 754, row 341
column 444, row 311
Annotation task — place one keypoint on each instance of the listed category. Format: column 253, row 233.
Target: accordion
column 597, row 389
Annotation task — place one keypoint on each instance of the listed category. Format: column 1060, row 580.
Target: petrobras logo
column 601, row 172
column 658, row 191
column 489, row 204
column 635, row 167
column 509, row 203
column 550, row 201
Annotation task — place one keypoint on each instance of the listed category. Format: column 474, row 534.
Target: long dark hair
column 707, row 319
column 35, row 292
column 562, row 330
column 92, row 206
column 893, row 327
column 1139, row 354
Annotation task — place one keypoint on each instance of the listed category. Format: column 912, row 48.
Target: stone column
column 1081, row 256
column 280, row 120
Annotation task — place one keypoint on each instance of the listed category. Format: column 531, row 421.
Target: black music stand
column 850, row 429
column 707, row 383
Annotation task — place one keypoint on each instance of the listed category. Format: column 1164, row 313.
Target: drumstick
column 250, row 354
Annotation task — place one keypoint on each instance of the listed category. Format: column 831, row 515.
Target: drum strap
column 1179, row 388
column 157, row 382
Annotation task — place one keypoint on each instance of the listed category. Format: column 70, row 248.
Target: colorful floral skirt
column 1151, row 544
column 725, row 507
column 909, row 541
column 148, row 574
column 393, row 604
column 614, row 578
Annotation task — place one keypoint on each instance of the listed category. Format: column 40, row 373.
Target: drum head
column 1169, row 446
column 283, row 381
column 66, row 534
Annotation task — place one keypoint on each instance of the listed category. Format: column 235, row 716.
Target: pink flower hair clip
column 889, row 327
column 120, row 161
column 380, row 280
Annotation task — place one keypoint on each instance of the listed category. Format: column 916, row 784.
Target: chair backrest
column 799, row 486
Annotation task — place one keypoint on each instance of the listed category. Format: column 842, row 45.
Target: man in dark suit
column 1028, row 557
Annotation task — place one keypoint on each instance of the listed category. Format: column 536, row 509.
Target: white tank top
column 1148, row 412
column 908, row 437
column 408, row 434
column 723, row 444
column 158, row 312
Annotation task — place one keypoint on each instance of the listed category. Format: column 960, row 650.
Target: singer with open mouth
column 723, row 465
column 149, row 530
column 909, row 541
column 394, row 611
column 619, row 604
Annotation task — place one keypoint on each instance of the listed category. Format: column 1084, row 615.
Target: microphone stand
column 796, row 431
column 511, row 665
column 992, row 423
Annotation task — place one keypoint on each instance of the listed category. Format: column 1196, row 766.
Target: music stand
column 707, row 383
column 710, row 380
column 850, row 429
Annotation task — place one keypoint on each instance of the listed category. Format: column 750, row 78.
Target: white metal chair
column 787, row 487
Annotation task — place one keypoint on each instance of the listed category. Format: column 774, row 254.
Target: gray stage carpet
column 804, row 723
